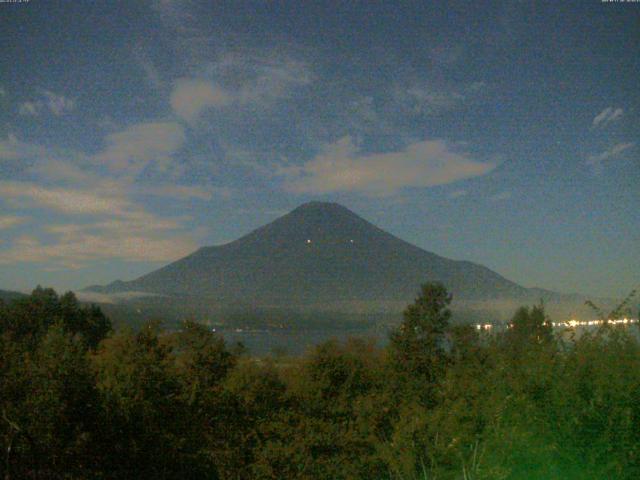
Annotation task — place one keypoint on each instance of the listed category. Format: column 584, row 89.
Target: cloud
column 342, row 167
column 56, row 104
column 458, row 194
column 267, row 78
column 99, row 198
column 425, row 98
column 10, row 221
column 13, row 149
column 56, row 170
column 610, row 153
column 499, row 197
column 184, row 191
column 607, row 116
column 116, row 228
column 74, row 251
column 248, row 79
column 29, row 109
column 63, row 200
column 190, row 97
column 134, row 148
column 151, row 74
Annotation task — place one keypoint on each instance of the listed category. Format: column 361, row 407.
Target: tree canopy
column 439, row 401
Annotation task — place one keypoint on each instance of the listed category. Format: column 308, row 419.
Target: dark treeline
column 80, row 401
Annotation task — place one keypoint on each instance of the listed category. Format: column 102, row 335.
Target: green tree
column 530, row 326
column 27, row 319
column 146, row 428
column 418, row 346
column 48, row 408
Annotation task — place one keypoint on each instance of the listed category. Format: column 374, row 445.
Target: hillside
column 7, row 296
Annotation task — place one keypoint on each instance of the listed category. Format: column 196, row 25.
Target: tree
column 530, row 326
column 88, row 321
column 28, row 319
column 202, row 358
column 418, row 347
column 146, row 423
column 48, row 408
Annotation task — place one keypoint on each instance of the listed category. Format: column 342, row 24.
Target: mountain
column 8, row 296
column 318, row 254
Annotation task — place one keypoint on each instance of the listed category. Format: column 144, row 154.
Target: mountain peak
column 325, row 207
column 319, row 253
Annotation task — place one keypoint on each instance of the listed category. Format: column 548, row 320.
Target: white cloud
column 246, row 79
column 63, row 200
column 29, row 108
column 74, row 251
column 54, row 169
column 269, row 78
column 420, row 98
column 124, row 231
column 184, row 191
column 10, row 221
column 105, row 217
column 55, row 103
column 341, row 167
column 134, row 148
column 607, row 116
column 610, row 153
column 190, row 97
column 13, row 149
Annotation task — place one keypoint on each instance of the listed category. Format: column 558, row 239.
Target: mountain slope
column 319, row 252
column 8, row 296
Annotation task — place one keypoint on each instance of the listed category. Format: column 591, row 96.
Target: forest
column 81, row 400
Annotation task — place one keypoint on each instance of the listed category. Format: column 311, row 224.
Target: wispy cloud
column 458, row 194
column 151, row 73
column 13, row 149
column 48, row 101
column 427, row 98
column 62, row 200
column 104, row 215
column 112, row 227
column 73, row 251
column 132, row 149
column 342, row 167
column 191, row 97
column 10, row 221
column 29, row 109
column 238, row 80
column 610, row 153
column 607, row 116
column 63, row 171
column 501, row 196
column 184, row 191
column 57, row 104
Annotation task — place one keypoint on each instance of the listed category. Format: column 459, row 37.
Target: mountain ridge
column 8, row 295
column 318, row 252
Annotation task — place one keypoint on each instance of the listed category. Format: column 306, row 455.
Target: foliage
column 439, row 402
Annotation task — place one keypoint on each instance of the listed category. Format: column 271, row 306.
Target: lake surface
column 260, row 343
column 297, row 342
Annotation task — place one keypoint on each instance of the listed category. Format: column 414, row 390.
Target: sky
column 505, row 133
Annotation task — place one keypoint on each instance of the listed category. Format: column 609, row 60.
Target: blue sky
column 505, row 133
